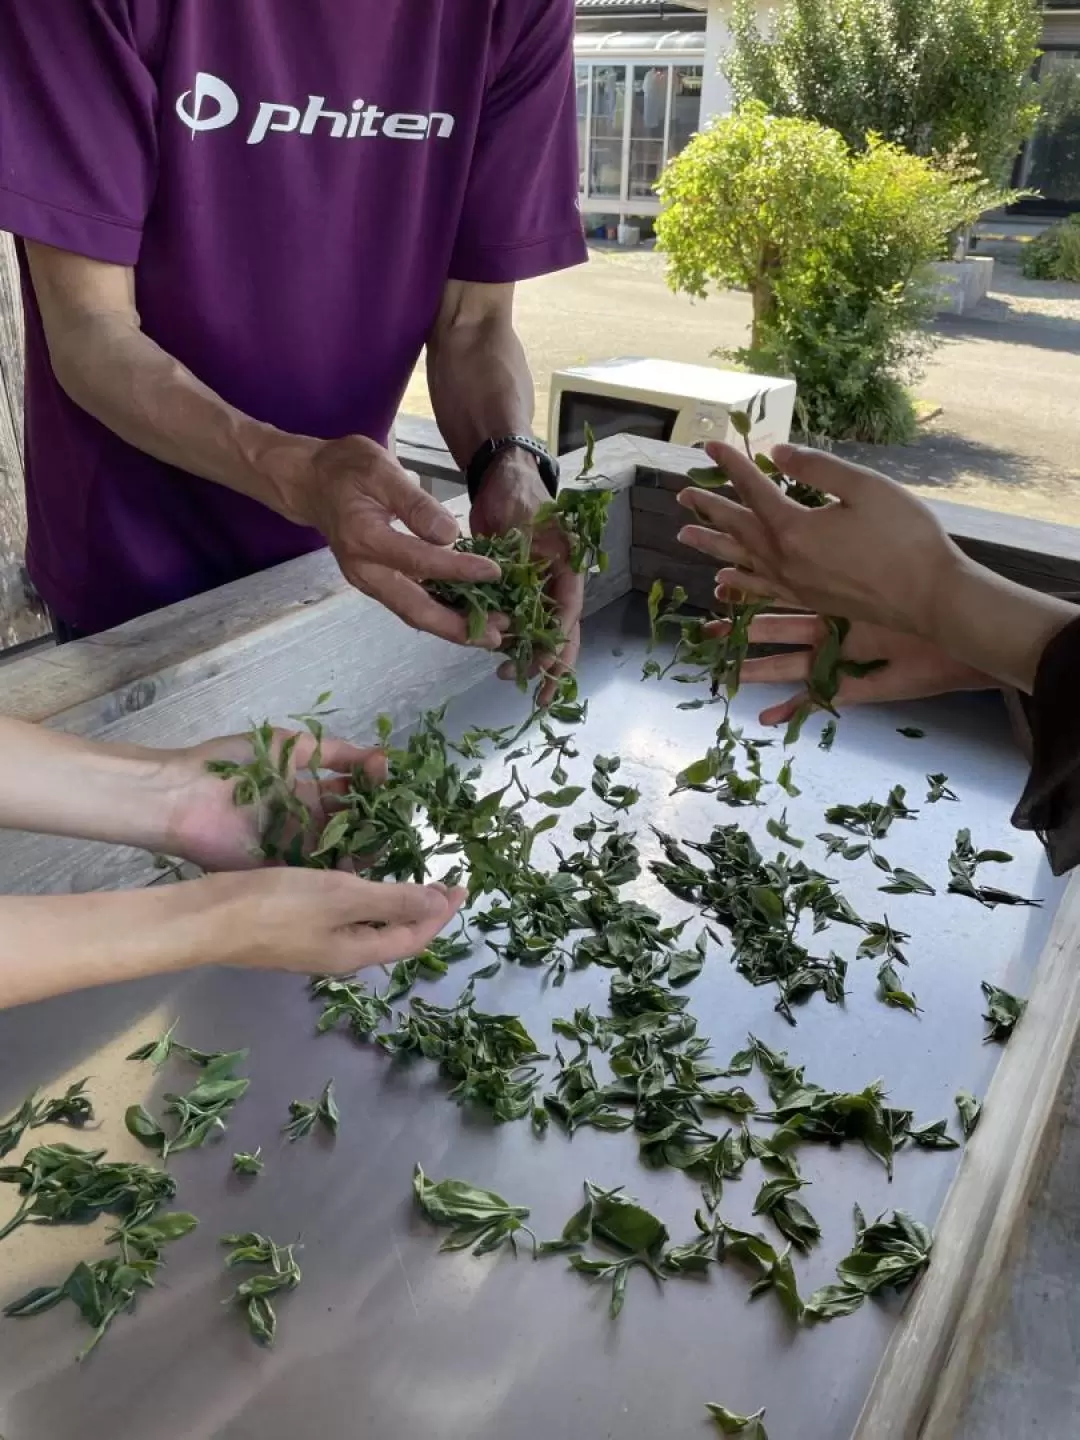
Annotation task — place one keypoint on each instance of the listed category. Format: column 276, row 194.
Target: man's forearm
column 478, row 376
column 57, row 784
column 119, row 375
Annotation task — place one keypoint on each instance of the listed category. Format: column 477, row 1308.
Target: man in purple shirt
column 242, row 220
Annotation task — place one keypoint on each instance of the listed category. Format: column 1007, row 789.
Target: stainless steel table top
column 389, row 1340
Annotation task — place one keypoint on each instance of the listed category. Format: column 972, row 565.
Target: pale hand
column 916, row 668
column 511, row 494
column 204, row 826
column 353, row 492
column 876, row 554
column 314, row 921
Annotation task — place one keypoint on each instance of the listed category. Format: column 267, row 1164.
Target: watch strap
column 482, row 461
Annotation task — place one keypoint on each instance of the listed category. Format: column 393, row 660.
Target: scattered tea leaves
column 248, row 1162
column 305, row 1115
column 1002, row 1011
column 939, row 789
column 278, row 1274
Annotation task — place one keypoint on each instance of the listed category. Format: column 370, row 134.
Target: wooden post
column 21, row 616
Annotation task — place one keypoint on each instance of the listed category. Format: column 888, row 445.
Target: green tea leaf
column 751, row 1427
column 970, row 1111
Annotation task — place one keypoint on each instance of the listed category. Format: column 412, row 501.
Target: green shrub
column 1055, row 254
column 930, row 75
column 833, row 247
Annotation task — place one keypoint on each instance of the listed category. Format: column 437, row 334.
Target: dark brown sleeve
column 1050, row 805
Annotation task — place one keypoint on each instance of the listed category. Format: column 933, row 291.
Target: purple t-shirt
column 294, row 182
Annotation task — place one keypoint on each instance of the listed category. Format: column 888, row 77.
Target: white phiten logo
column 214, row 105
column 208, row 88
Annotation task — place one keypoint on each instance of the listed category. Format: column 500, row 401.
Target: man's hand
column 511, row 494
column 204, row 826
column 352, row 491
column 916, row 668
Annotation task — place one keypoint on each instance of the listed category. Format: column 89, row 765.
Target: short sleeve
column 1050, row 804
column 78, row 131
column 520, row 216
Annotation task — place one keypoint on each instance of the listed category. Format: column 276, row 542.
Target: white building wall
column 715, row 90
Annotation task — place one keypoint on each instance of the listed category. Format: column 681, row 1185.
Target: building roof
column 640, row 7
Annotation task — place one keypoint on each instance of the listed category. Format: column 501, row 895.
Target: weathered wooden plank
column 22, row 616
column 923, row 1380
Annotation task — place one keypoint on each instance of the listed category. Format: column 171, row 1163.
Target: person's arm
column 308, row 921
column 349, row 489
column 519, row 219
column 167, row 800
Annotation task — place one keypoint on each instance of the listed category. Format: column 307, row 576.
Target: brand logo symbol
column 213, row 105
column 209, row 95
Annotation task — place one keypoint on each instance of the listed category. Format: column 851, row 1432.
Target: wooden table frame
column 265, row 645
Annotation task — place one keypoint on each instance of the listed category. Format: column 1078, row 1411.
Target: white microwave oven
column 665, row 400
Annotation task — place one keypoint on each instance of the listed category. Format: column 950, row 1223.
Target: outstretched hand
column 876, row 554
column 916, row 668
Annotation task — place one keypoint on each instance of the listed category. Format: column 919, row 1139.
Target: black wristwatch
column 481, row 462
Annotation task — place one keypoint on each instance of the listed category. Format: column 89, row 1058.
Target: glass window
column 1053, row 159
column 648, row 127
column 685, row 106
column 606, row 140
column 581, row 73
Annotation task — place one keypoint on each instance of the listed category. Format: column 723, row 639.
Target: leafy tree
column 833, row 246
column 933, row 76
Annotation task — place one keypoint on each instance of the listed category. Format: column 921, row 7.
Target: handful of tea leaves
column 520, row 592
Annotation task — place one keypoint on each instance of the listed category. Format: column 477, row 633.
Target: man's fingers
column 828, row 473
column 566, row 660
column 424, row 561
column 567, row 590
column 411, row 603
column 397, row 491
